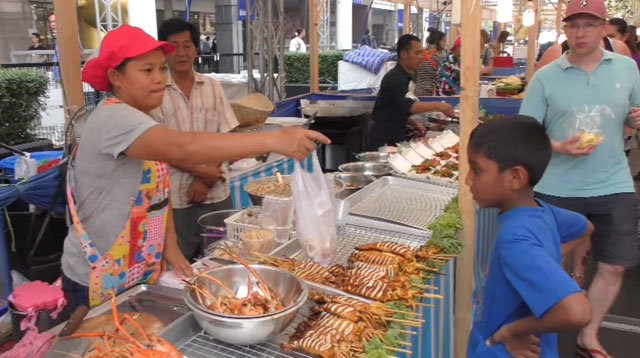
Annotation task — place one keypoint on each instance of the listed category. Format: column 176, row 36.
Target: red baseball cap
column 596, row 8
column 118, row 45
column 457, row 43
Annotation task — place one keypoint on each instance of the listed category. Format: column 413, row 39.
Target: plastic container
column 235, row 227
column 7, row 165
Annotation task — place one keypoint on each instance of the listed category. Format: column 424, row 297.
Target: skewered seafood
column 389, row 247
column 377, row 258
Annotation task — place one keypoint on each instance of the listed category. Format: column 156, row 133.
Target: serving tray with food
column 428, row 159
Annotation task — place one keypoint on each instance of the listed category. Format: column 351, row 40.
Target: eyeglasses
column 588, row 27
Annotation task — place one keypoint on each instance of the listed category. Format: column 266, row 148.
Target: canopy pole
column 69, row 56
column 314, row 53
column 469, row 103
column 532, row 39
column 406, row 20
column 558, row 18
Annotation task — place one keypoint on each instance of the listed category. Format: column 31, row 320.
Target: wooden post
column 314, row 51
column 469, row 103
column 250, row 50
column 532, row 39
column 559, row 18
column 406, row 21
column 69, row 55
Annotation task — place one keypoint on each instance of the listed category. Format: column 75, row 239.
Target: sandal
column 590, row 352
column 581, row 280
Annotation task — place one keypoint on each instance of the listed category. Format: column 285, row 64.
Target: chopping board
column 149, row 323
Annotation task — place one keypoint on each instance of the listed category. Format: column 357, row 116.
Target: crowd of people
column 557, row 198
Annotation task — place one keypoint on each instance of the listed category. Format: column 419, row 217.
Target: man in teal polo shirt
column 594, row 181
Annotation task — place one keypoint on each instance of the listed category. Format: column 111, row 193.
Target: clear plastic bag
column 25, row 167
column 314, row 211
column 586, row 123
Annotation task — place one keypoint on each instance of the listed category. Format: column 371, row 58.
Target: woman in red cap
column 118, row 181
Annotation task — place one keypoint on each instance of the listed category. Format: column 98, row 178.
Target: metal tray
column 163, row 302
column 399, row 201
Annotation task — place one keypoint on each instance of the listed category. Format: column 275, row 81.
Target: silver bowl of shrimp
column 232, row 304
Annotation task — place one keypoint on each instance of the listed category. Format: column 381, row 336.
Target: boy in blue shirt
column 527, row 296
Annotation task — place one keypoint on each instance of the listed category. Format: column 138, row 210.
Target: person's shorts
column 615, row 217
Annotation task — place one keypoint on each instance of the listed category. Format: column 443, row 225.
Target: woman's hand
column 527, row 346
column 173, row 257
column 295, row 142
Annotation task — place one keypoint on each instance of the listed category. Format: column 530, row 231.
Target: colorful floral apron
column 137, row 253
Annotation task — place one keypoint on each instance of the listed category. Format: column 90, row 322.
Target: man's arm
column 571, row 313
column 422, row 107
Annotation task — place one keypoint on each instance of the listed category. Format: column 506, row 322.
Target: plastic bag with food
column 314, row 211
column 586, row 123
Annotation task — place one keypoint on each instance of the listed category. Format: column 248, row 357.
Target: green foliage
column 445, row 228
column 22, row 97
column 297, row 66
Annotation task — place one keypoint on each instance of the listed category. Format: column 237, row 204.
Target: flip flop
column 590, row 352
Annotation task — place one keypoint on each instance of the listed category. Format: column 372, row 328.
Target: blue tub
column 8, row 165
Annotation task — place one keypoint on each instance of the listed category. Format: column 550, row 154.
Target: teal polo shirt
column 558, row 88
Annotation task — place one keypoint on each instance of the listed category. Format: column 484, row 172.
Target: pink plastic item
column 33, row 345
column 34, row 297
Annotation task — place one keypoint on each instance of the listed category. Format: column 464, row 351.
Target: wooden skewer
column 407, row 331
column 425, row 304
column 425, row 287
column 408, row 344
column 404, row 312
column 400, row 350
column 430, row 295
column 405, row 322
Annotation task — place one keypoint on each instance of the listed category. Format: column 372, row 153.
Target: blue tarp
column 37, row 191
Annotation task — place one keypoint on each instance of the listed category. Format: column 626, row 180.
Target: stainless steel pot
column 367, row 168
column 377, row 157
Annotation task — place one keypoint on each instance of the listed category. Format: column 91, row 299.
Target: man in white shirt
column 193, row 103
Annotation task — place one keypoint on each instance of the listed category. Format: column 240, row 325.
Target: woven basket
column 252, row 111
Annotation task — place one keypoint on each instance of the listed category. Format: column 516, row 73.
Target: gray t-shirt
column 106, row 181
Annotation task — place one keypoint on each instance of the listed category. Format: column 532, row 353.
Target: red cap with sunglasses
column 118, row 45
column 596, row 8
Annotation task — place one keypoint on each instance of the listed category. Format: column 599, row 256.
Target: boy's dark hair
column 36, row 35
column 513, row 141
column 404, row 43
column 175, row 26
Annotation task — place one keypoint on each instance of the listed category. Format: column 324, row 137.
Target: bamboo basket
column 252, row 111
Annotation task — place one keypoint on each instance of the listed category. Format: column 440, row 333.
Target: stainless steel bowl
column 377, row 157
column 246, row 330
column 257, row 199
column 354, row 180
column 367, row 168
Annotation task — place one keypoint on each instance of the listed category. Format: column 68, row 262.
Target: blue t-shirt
column 560, row 87
column 525, row 275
